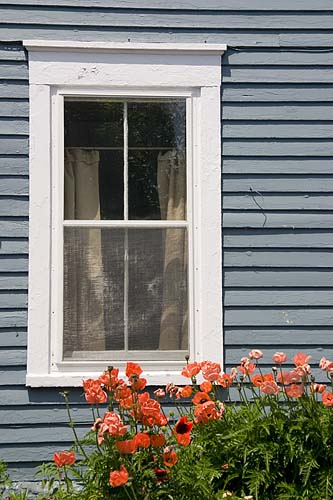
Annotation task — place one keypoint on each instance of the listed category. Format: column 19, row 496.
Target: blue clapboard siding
column 277, row 181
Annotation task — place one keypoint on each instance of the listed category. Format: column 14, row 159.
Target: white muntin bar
column 126, row 257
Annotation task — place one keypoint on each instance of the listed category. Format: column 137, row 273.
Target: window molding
column 128, row 69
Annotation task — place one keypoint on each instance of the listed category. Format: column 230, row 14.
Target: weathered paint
column 278, row 211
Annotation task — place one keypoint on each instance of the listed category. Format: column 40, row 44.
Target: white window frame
column 58, row 69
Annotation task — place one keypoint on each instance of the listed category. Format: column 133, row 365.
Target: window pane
column 158, row 303
column 125, row 288
column 94, row 160
column 157, row 166
column 93, row 290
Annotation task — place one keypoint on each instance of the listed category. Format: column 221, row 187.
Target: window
column 125, row 208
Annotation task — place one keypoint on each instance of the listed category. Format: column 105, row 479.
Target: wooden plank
column 13, row 90
column 285, row 184
column 47, row 414
column 14, row 228
column 14, row 186
column 265, row 111
column 13, row 246
column 263, row 92
column 259, row 278
column 121, row 18
column 13, row 145
column 277, row 297
column 33, row 435
column 258, row 129
column 15, row 206
column 279, row 317
column 272, row 147
column 12, row 319
column 12, row 53
column 317, row 353
column 275, row 57
column 36, row 453
column 13, row 281
column 14, row 165
column 14, row 71
column 13, row 263
column 224, row 5
column 14, row 337
column 10, row 376
column 13, row 108
column 277, row 238
column 14, row 126
column 12, row 357
column 273, row 165
column 290, row 336
column 280, row 220
column 13, row 300
column 278, row 258
column 314, row 74
column 22, row 396
column 276, row 202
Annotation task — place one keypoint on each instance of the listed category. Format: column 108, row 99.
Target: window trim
column 159, row 70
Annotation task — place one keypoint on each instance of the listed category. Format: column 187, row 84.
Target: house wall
column 277, row 181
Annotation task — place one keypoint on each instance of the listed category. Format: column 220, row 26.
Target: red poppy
column 327, row 398
column 161, row 475
column 133, row 369
column 183, row 426
column 191, row 370
column 183, row 439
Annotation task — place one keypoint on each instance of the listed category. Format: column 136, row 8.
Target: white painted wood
column 39, row 237
column 59, row 69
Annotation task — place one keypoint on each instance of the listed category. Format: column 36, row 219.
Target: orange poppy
column 142, row 440
column 170, row 457
column 200, row 398
column 327, row 398
column 119, row 477
column 126, row 447
column 157, row 440
column 63, row 458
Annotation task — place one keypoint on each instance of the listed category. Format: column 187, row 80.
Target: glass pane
column 157, row 301
column 94, row 160
column 102, row 267
column 93, row 290
column 156, row 162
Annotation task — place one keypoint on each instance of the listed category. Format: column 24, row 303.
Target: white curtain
column 171, row 180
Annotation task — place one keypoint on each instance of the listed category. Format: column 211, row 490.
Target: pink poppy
column 269, row 387
column 256, row 354
column 295, row 390
column 279, row 358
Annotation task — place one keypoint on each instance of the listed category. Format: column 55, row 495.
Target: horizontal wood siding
column 277, row 182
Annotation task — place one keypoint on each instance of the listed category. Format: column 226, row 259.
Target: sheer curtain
column 84, row 316
column 171, row 181
column 86, row 258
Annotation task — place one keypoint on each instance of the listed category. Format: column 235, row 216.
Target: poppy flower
column 327, row 398
column 191, row 370
column 126, row 447
column 279, row 358
column 301, row 359
column 93, row 392
column 161, row 475
column 210, row 371
column 157, row 440
column 114, row 423
column 170, row 457
column 206, row 386
column 225, row 380
column 255, row 354
column 63, row 458
column 287, row 378
column 119, row 477
column 183, row 439
column 320, row 388
column 133, row 369
column 269, row 387
column 257, row 380
column 295, row 390
column 200, row 397
column 207, row 411
column 184, row 392
column 142, row 440
column 183, row 426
